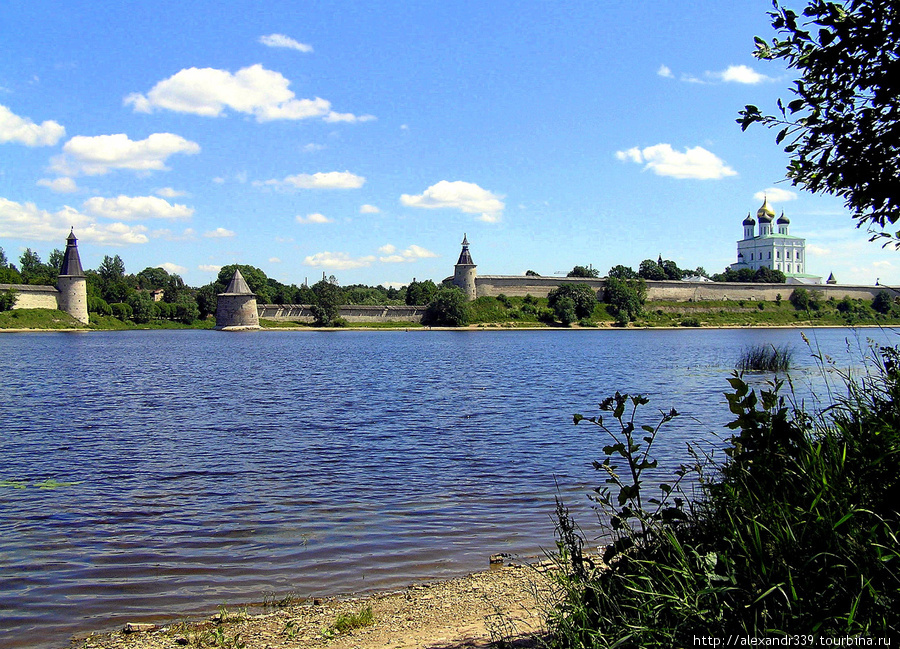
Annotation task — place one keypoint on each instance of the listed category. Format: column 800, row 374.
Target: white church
column 773, row 247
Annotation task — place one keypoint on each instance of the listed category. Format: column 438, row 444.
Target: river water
column 163, row 473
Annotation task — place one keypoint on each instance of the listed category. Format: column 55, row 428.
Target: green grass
column 347, row 621
column 38, row 319
column 765, row 358
column 794, row 533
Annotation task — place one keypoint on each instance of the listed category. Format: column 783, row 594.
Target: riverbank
column 503, row 604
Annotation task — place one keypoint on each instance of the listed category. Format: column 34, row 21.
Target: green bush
column 690, row 322
column 447, row 308
column 121, row 310
column 98, row 305
column 795, row 533
column 8, row 299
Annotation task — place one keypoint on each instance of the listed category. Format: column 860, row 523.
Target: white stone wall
column 73, row 297
column 33, row 297
column 236, row 312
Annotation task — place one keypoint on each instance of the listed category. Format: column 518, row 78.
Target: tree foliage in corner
column 843, row 128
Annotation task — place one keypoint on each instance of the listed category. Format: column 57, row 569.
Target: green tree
column 329, row 298
column 141, row 306
column 583, row 271
column 622, row 272
column 625, row 298
column 207, row 299
column 671, row 269
column 112, row 268
column 531, row 273
column 151, row 279
column 8, row 299
column 651, row 270
column 9, row 274
column 447, row 308
column 35, row 271
column 186, row 309
column 883, row 302
column 582, row 296
column 843, row 128
column 418, row 293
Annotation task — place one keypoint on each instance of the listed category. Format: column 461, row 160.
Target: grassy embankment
column 53, row 319
column 513, row 312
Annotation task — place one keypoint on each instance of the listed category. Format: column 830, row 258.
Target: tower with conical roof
column 72, row 282
column 464, row 272
column 236, row 307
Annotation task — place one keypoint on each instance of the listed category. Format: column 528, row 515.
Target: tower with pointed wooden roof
column 72, row 282
column 464, row 272
column 236, row 307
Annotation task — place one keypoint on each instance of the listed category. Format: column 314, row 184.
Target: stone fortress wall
column 33, row 297
column 676, row 291
column 351, row 313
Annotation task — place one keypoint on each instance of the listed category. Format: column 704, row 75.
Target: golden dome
column 765, row 211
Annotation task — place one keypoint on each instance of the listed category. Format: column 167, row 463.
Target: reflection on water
column 193, row 468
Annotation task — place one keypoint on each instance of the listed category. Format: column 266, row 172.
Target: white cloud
column 696, row 162
column 274, row 260
column 664, row 71
column 312, row 218
column 280, row 40
column 369, row 209
column 350, row 118
column 739, row 74
column 129, row 208
column 164, row 233
column 218, row 233
column 460, row 195
column 168, row 192
column 22, row 130
column 818, row 251
column 94, row 156
column 209, row 268
column 61, row 185
column 254, row 90
column 320, row 180
column 27, row 221
column 775, row 195
column 312, row 147
column 337, row 261
column 411, row 254
column 173, row 268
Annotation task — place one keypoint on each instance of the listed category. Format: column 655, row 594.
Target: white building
column 772, row 247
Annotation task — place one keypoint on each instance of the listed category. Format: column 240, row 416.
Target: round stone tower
column 464, row 272
column 72, row 282
column 236, row 307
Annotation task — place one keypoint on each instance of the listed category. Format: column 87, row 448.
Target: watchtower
column 236, row 307
column 464, row 272
column 72, row 282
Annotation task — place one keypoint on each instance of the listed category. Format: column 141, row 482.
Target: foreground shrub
column 795, row 533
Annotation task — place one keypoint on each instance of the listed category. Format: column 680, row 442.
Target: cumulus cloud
column 337, row 260
column 696, row 162
column 775, row 195
column 312, row 218
column 280, row 40
column 218, row 233
column 173, row 268
column 411, row 254
column 664, row 71
column 97, row 155
column 368, row 209
column 61, row 185
column 459, row 195
column 22, row 130
column 209, row 268
column 168, row 192
column 320, row 180
column 254, row 90
column 27, row 221
column 168, row 235
column 129, row 208
column 740, row 74
column 274, row 260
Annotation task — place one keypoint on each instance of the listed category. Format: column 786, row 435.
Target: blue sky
column 364, row 139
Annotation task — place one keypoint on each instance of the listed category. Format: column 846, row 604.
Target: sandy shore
column 503, row 604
